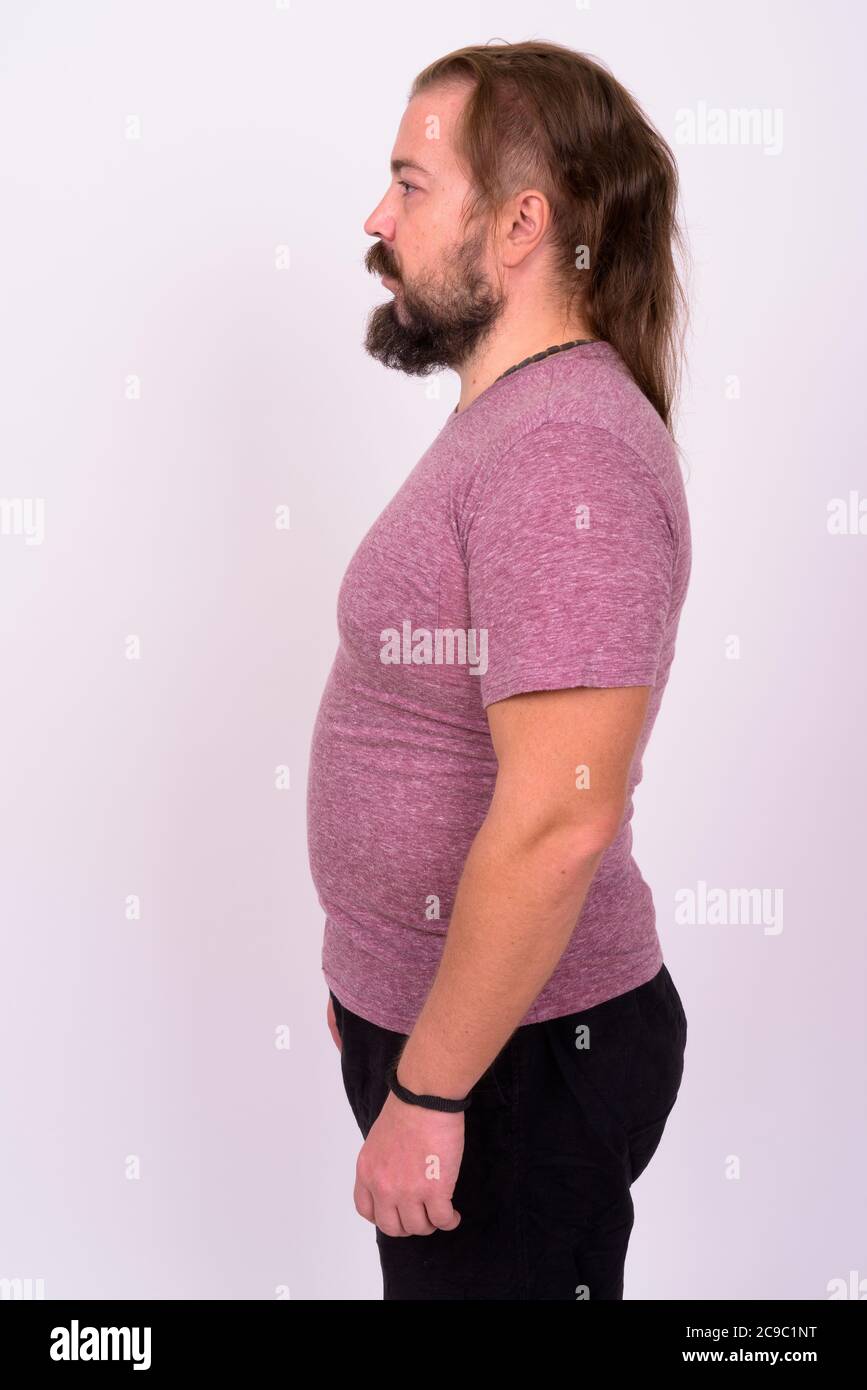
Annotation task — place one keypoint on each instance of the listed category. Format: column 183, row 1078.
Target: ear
column 525, row 219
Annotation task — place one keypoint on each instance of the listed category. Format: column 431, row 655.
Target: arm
column 519, row 897
column 526, row 876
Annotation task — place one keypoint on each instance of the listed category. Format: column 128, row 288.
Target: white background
column 157, row 259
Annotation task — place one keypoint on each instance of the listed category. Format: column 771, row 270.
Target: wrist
column 426, row 1098
column 423, row 1081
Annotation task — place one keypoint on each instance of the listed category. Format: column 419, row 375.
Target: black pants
column 561, row 1124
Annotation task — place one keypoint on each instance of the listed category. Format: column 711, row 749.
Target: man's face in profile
column 445, row 300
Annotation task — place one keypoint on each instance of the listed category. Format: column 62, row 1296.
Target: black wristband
column 428, row 1102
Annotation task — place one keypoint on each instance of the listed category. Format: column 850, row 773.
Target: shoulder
column 575, row 421
column 591, row 422
column 597, row 398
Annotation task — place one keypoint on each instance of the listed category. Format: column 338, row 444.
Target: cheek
column 422, row 239
column 421, row 255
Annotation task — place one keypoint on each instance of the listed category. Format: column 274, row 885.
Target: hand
column 332, row 1024
column 407, row 1169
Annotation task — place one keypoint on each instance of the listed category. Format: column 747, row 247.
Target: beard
column 439, row 322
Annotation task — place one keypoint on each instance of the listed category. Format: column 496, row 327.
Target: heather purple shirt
column 545, row 532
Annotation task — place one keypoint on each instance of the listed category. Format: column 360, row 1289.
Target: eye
column 410, row 187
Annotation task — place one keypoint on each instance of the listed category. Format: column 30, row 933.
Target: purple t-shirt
column 541, row 542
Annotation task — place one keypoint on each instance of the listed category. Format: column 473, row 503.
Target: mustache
column 379, row 262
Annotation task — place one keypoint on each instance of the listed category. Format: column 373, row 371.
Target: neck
column 509, row 344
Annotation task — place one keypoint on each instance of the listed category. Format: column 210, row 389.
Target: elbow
column 572, row 846
column 591, row 839
column 557, row 833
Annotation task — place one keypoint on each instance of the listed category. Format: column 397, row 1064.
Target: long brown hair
column 542, row 116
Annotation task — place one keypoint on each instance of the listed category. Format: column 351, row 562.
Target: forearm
column 515, row 909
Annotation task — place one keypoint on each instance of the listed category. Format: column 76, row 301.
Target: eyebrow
column 398, row 164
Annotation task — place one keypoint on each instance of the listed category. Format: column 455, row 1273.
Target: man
column 511, row 1040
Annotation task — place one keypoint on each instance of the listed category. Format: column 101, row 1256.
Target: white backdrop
column 183, row 192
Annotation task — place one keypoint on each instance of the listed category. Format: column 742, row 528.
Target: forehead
column 425, row 136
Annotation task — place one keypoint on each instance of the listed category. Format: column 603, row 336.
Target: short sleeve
column 570, row 554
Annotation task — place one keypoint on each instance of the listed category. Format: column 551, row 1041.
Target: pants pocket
column 338, row 1013
column 592, row 1052
column 366, row 1055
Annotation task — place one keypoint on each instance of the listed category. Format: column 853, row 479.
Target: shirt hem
column 535, row 1014
column 525, row 684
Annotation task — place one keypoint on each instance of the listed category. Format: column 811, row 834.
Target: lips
column 389, row 283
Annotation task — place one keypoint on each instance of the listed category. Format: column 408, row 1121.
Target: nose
column 380, row 223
